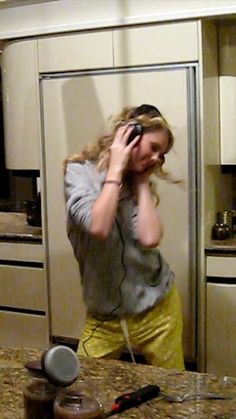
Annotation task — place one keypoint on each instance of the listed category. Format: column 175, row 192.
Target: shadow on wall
column 83, row 114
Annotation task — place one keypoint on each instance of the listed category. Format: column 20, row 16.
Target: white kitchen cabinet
column 23, row 287
column 165, row 43
column 24, row 314
column 75, row 51
column 220, row 315
column 158, row 44
column 23, row 330
column 220, row 329
column 25, row 252
column 20, row 105
column 221, row 266
column 228, row 120
column 227, row 60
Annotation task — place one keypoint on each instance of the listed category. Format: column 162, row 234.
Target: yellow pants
column 157, row 334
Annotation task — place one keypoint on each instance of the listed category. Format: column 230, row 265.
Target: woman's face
column 150, row 149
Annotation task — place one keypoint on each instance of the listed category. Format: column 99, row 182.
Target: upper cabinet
column 20, row 105
column 227, row 47
column 23, row 61
column 75, row 52
column 165, row 43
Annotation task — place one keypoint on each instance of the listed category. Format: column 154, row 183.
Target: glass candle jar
column 39, row 395
column 58, row 367
column 77, row 402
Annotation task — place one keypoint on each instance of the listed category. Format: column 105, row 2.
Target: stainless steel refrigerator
column 75, row 108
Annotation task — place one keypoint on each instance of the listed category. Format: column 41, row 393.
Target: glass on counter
column 57, row 368
column 39, row 395
column 77, row 402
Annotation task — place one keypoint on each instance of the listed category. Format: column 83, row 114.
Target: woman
column 114, row 228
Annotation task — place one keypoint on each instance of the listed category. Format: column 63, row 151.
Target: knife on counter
column 133, row 399
column 144, row 394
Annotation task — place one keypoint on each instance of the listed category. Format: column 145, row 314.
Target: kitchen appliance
column 75, row 109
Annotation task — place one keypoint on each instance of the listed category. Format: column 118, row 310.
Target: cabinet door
column 227, row 68
column 23, row 288
column 158, row 44
column 25, row 252
column 227, row 119
column 75, row 112
column 221, row 266
column 220, row 329
column 23, row 330
column 75, row 51
column 20, row 105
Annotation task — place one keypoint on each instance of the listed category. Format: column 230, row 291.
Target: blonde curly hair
column 150, row 119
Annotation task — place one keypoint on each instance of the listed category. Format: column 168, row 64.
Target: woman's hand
column 120, row 152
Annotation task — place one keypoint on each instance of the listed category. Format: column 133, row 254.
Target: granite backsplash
column 13, row 226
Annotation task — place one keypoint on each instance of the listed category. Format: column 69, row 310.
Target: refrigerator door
column 220, row 327
column 75, row 111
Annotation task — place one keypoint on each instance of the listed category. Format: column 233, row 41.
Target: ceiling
column 15, row 3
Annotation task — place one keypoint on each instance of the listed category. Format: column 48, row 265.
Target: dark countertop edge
column 220, row 249
column 217, row 248
column 20, row 238
column 221, row 246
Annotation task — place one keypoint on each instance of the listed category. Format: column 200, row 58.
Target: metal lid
column 35, row 368
column 60, row 364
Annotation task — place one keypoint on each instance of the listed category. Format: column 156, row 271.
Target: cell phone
column 137, row 130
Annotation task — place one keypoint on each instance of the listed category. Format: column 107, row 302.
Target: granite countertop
column 112, row 378
column 13, row 226
column 222, row 246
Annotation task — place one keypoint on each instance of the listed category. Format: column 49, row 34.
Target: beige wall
column 66, row 15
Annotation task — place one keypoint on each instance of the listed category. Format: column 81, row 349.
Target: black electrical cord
column 120, row 290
